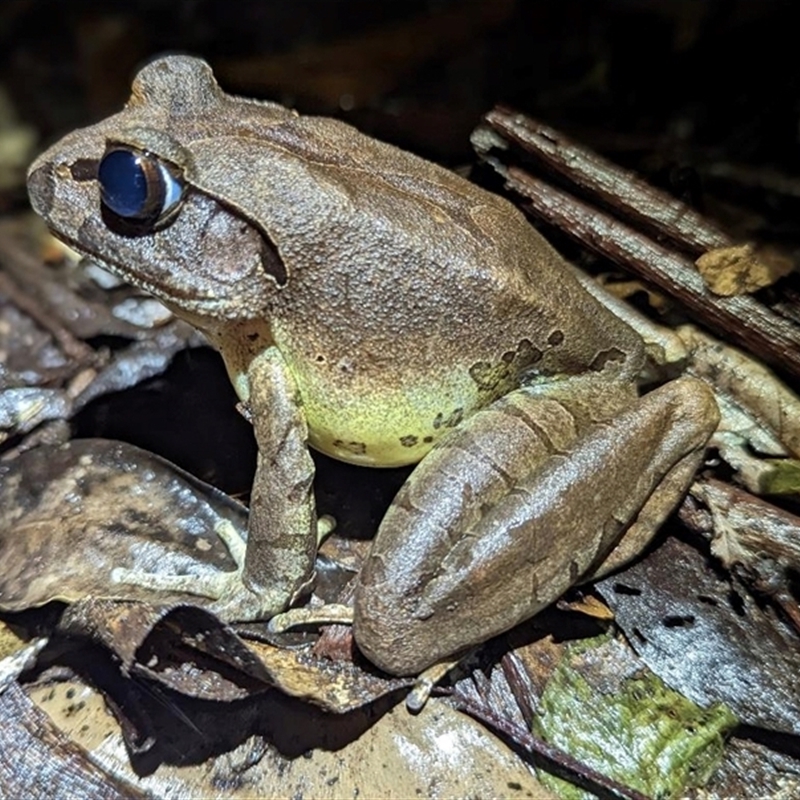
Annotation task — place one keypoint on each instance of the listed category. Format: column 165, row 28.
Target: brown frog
column 385, row 311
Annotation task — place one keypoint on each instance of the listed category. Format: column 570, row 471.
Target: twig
column 626, row 192
column 20, row 263
column 740, row 318
column 753, row 538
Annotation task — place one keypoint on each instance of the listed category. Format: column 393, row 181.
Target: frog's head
column 124, row 193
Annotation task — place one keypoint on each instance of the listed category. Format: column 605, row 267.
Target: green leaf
column 630, row 725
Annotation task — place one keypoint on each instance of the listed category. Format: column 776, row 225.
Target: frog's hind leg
column 519, row 503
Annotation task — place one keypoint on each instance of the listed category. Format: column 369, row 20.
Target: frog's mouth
column 177, row 301
column 117, row 269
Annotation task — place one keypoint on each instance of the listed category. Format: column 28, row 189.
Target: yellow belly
column 381, row 418
column 387, row 427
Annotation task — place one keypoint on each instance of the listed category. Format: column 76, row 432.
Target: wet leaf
column 38, row 760
column 337, row 686
column 751, row 769
column 706, row 637
column 190, row 651
column 22, row 409
column 272, row 746
column 70, row 514
column 182, row 647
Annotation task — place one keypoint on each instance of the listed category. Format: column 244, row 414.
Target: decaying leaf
column 184, row 648
column 272, row 746
column 190, row 651
column 744, row 384
column 22, row 409
column 38, row 760
column 751, row 769
column 746, row 532
column 337, row 686
column 742, row 269
column 601, row 707
column 70, row 514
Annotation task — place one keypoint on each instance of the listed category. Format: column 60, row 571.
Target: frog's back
column 418, row 297
column 413, row 296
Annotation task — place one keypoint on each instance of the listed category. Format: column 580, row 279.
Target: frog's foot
column 425, row 683
column 337, row 614
column 234, row 599
column 326, row 525
column 212, row 585
column 331, row 614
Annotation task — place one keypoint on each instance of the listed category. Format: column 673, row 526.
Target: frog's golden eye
column 138, row 187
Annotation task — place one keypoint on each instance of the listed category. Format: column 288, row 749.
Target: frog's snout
column 41, row 187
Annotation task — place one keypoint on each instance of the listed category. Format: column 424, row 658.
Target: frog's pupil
column 123, row 183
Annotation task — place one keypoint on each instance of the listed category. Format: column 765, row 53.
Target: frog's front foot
column 234, row 599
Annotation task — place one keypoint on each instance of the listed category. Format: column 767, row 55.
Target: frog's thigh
column 514, row 508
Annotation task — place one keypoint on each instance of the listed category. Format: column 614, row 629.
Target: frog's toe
column 232, row 600
column 210, row 586
column 230, row 536
column 330, row 614
column 326, row 525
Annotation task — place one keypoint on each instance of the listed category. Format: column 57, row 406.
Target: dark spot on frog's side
column 605, row 357
column 428, row 439
column 484, row 375
column 503, row 376
column 455, row 418
column 556, row 338
column 356, row 448
column 408, row 441
column 525, row 354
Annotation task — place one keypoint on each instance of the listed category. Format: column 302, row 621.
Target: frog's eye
column 137, row 186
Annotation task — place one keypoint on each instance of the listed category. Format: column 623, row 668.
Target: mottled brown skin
column 370, row 303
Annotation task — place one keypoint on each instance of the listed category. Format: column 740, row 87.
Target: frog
column 385, row 311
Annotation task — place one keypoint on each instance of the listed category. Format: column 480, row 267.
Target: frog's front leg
column 523, row 500
column 277, row 563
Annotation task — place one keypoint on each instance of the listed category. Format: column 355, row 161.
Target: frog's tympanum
column 385, row 311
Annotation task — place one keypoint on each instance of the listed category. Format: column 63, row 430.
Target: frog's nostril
column 41, row 188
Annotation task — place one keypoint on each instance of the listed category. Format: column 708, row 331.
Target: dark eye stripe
column 84, row 169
